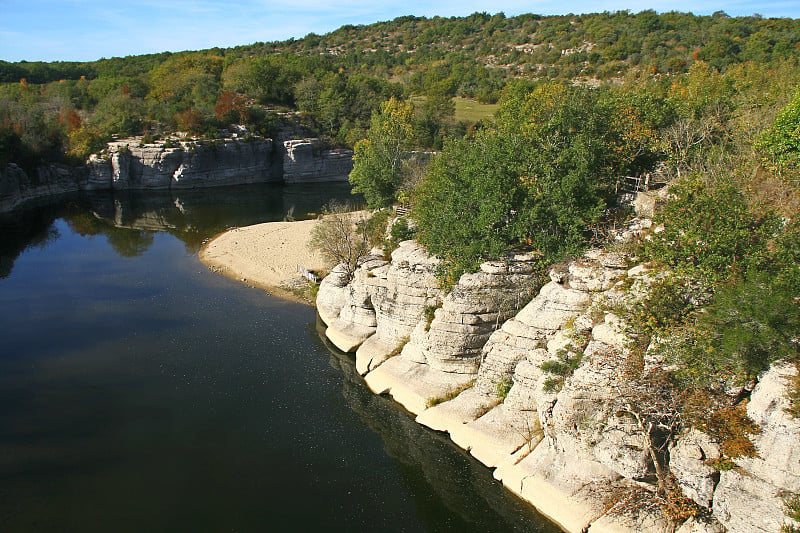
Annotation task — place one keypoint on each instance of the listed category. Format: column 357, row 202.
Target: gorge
column 144, row 391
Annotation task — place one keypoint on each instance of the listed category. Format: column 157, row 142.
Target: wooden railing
column 402, row 210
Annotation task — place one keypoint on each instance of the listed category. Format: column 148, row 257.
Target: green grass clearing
column 472, row 110
column 467, row 110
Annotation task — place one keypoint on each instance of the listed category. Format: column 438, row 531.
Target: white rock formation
column 759, row 482
column 572, row 452
column 190, row 164
column 307, row 160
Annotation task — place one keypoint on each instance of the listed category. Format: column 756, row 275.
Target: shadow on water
column 453, row 491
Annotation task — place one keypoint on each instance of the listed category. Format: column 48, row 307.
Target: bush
column 341, row 236
column 399, row 232
column 430, row 314
column 711, row 233
column 377, row 160
column 538, row 179
column 791, row 503
column 503, row 388
column 780, row 144
column 560, row 369
column 749, row 325
column 376, row 227
column 449, row 395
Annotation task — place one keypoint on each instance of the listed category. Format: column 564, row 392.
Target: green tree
column 378, row 159
column 711, row 233
column 780, row 144
column 538, row 179
column 119, row 114
column 189, row 81
column 432, row 119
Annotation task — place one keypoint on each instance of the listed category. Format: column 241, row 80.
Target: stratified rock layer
column 16, row 187
column 308, row 161
column 470, row 366
column 189, row 164
column 180, row 164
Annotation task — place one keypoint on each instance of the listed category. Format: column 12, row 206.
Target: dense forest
column 52, row 111
column 709, row 105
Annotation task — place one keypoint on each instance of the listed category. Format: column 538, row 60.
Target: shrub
column 560, row 369
column 398, row 347
column 503, row 388
column 794, row 394
column 376, row 227
column 539, row 178
column 711, row 233
column 780, row 144
column 449, row 395
column 791, row 503
column 377, row 160
column 430, row 314
column 341, row 236
column 399, row 232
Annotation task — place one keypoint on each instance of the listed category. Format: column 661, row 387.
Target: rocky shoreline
column 469, row 364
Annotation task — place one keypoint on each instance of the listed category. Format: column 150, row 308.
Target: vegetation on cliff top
column 53, row 110
column 543, row 177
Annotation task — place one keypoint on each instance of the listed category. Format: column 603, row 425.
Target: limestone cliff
column 187, row 165
column 171, row 165
column 16, row 187
column 307, row 160
column 571, row 452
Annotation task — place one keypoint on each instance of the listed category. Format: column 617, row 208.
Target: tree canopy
column 378, row 159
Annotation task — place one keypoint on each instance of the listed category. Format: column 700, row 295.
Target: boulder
column 759, row 482
column 688, row 462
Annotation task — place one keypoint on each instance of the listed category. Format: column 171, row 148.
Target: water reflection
column 453, row 491
column 129, row 219
column 148, row 394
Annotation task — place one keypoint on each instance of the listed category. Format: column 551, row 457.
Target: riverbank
column 265, row 256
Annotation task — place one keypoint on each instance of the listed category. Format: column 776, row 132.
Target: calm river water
column 141, row 392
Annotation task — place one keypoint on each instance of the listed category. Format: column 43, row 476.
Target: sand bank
column 265, row 255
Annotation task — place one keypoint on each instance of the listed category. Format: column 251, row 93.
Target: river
column 142, row 392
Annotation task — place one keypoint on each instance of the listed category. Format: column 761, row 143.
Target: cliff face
column 16, row 187
column 187, row 165
column 306, row 160
column 571, row 452
column 154, row 166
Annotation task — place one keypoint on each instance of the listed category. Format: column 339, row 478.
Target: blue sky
column 84, row 30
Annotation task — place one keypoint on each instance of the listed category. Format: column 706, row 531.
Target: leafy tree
column 184, row 82
column 267, row 79
column 432, row 118
column 538, row 179
column 780, row 144
column 749, row 325
column 342, row 236
column 119, row 114
column 378, row 159
column 231, row 107
column 711, row 233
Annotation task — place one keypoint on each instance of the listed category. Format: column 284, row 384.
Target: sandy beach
column 265, row 255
